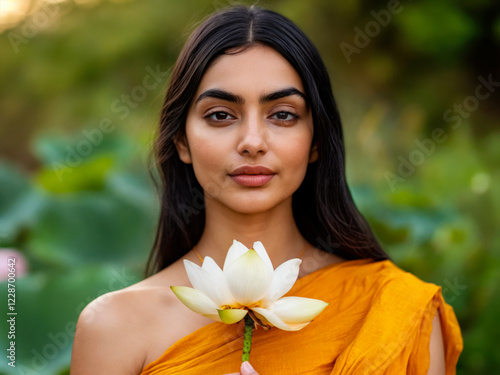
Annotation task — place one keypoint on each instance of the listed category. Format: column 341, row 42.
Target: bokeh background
column 82, row 83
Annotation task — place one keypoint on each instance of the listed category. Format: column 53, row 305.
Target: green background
column 76, row 197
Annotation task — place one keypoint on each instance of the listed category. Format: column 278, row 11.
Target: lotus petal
column 296, row 310
column 196, row 301
column 276, row 321
column 283, row 279
column 230, row 316
column 201, row 280
column 236, row 250
column 248, row 278
column 259, row 248
column 219, row 290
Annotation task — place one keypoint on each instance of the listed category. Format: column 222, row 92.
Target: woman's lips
column 252, row 179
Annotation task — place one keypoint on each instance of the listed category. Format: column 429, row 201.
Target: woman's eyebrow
column 289, row 91
column 220, row 94
column 227, row 96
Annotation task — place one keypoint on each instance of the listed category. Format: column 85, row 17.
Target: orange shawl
column 378, row 322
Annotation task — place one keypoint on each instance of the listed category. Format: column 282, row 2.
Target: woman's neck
column 275, row 228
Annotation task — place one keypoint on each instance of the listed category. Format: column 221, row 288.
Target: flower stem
column 247, row 341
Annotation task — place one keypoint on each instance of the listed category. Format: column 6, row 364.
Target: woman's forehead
column 256, row 69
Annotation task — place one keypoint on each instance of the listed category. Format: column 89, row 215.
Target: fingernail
column 247, row 368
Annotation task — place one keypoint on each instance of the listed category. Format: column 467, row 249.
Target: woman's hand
column 246, row 369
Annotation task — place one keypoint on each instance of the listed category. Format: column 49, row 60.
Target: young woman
column 250, row 147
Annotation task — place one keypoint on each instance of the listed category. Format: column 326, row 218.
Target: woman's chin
column 251, row 205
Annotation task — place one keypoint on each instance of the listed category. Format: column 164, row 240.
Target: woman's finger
column 247, row 369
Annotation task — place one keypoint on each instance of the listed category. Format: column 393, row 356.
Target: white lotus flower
column 248, row 283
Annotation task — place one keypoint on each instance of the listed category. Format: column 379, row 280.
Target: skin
column 221, row 135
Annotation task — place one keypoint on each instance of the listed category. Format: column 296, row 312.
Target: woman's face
column 249, row 131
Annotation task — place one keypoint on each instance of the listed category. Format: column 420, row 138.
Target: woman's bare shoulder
column 116, row 331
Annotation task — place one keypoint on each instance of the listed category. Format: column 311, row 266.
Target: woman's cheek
column 209, row 164
column 298, row 161
column 296, row 152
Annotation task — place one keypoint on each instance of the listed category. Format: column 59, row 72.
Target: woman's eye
column 219, row 116
column 285, row 116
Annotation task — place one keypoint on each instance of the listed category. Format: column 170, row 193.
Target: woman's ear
column 313, row 154
column 182, row 146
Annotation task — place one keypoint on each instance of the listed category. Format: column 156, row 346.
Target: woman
column 250, row 148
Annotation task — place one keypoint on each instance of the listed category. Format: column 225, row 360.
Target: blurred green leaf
column 440, row 29
column 93, row 228
column 19, row 203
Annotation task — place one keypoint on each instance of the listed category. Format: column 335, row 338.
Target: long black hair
column 323, row 207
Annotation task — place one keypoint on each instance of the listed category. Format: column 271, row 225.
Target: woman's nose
column 253, row 137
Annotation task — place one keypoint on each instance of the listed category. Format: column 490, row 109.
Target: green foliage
column 439, row 29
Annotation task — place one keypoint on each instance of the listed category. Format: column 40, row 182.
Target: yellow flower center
column 241, row 307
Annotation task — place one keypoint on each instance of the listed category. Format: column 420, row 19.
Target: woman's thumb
column 247, row 369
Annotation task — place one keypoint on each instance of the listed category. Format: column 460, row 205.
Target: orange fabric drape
column 378, row 322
